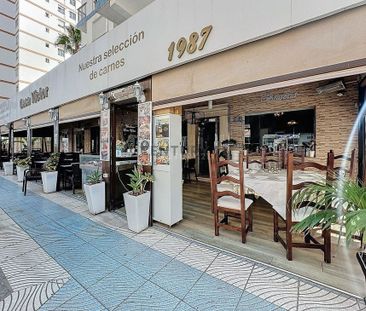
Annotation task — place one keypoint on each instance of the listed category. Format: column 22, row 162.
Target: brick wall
column 335, row 116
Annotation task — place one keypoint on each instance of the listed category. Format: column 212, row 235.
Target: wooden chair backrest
column 351, row 163
column 261, row 155
column 290, row 186
column 299, row 157
column 216, row 179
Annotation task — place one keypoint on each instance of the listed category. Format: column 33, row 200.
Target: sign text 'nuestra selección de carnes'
column 112, row 51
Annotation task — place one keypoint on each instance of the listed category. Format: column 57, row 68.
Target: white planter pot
column 49, row 181
column 95, row 195
column 8, row 168
column 312, row 154
column 137, row 210
column 20, row 172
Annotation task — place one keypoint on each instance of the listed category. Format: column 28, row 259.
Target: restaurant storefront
column 213, row 85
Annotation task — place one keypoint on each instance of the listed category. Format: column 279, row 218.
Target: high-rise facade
column 28, row 31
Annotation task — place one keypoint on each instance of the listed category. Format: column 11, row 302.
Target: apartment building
column 97, row 17
column 28, row 31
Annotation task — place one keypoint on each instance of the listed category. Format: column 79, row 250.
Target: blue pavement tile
column 93, row 270
column 45, row 239
column 184, row 307
column 77, row 256
column 68, row 291
column 30, row 221
column 148, row 263
column 75, row 220
column 107, row 242
column 63, row 245
column 149, row 297
column 82, row 302
column 251, row 302
column 177, row 278
column 116, row 287
column 210, row 293
column 93, row 232
column 126, row 251
column 47, row 229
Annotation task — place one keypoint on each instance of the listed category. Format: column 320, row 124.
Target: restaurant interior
column 266, row 128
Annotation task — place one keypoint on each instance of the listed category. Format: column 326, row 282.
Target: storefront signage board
column 144, row 133
column 105, row 135
column 139, row 47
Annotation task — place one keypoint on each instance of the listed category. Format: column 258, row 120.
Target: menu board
column 162, row 140
column 144, row 133
column 105, row 135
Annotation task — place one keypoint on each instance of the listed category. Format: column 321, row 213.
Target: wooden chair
column 255, row 158
column 225, row 200
column 289, row 217
column 341, row 169
column 272, row 158
column 299, row 157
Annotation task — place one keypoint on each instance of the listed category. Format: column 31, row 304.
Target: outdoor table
column 271, row 186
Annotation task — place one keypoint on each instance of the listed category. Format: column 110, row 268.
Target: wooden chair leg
column 195, row 174
column 243, row 228
column 216, row 222
column 327, row 246
column 288, row 242
column 275, row 226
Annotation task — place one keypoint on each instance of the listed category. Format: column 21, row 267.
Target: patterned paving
column 55, row 258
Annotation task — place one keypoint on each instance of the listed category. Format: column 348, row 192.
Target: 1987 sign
column 195, row 42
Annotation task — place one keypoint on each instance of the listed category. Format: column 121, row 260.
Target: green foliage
column 139, row 180
column 340, row 202
column 94, row 178
column 23, row 162
column 70, row 41
column 52, row 162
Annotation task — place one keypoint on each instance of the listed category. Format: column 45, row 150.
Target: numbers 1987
column 195, row 42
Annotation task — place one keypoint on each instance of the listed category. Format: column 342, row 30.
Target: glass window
column 73, row 2
column 73, row 15
column 289, row 130
column 61, row 24
column 61, row 52
column 61, row 9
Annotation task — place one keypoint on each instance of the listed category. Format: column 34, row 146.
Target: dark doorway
column 95, row 139
column 208, row 133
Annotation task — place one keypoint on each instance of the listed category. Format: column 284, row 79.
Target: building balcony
column 116, row 11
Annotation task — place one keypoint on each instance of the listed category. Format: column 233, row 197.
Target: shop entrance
column 207, row 139
column 124, row 149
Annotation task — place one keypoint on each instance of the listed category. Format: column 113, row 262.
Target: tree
column 71, row 40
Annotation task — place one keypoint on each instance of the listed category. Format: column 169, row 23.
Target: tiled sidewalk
column 54, row 258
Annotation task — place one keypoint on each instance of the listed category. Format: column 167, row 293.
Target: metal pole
column 29, row 137
column 11, row 141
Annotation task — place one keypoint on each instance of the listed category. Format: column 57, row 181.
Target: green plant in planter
column 52, row 162
column 94, row 178
column 23, row 162
column 341, row 202
column 139, row 180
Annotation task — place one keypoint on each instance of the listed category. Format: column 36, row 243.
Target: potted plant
column 50, row 173
column 137, row 201
column 22, row 165
column 8, row 167
column 340, row 202
column 95, row 192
